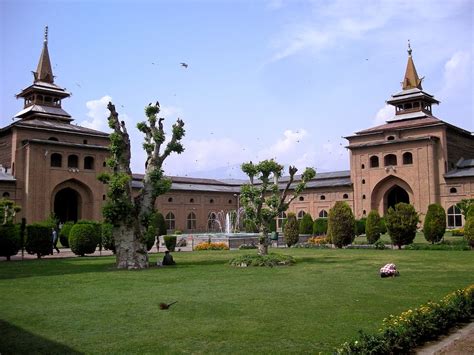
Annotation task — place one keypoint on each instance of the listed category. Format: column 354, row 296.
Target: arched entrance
column 67, row 203
column 396, row 195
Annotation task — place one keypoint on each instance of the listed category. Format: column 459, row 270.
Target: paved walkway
column 458, row 343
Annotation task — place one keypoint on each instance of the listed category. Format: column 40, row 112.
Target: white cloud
column 98, row 113
column 275, row 4
column 457, row 72
column 384, row 114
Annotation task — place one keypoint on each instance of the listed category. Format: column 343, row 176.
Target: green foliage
column 306, row 224
column 247, row 246
column 341, row 224
column 10, row 242
column 269, row 260
column 383, row 225
column 464, row 205
column 84, row 238
column 107, row 237
column 457, row 232
column 401, row 224
column 456, row 245
column 64, row 233
column 379, row 245
column 469, row 230
column 170, row 242
column 161, row 224
column 291, row 230
column 373, row 227
column 8, row 209
column 435, row 223
column 152, row 229
column 39, row 240
column 250, row 226
column 360, row 226
column 402, row 334
column 320, row 226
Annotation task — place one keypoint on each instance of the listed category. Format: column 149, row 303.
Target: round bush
column 341, row 224
column 401, row 224
column 39, row 240
column 10, row 242
column 64, row 233
column 435, row 223
column 306, row 224
column 108, row 241
column 320, row 226
column 372, row 227
column 291, row 230
column 83, row 238
column 170, row 242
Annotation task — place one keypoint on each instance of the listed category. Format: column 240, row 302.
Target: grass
column 84, row 305
column 419, row 238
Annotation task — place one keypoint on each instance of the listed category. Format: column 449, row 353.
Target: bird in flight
column 184, row 65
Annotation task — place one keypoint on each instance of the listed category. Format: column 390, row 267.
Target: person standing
column 55, row 241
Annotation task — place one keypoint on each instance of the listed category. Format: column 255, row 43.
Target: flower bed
column 211, row 246
column 400, row 334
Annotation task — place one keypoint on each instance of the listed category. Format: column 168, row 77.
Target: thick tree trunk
column 130, row 252
column 263, row 243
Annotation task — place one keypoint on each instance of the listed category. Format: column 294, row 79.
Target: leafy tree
column 469, row 228
column 435, row 223
column 8, row 209
column 306, row 224
column 464, row 205
column 373, row 227
column 320, row 226
column 263, row 201
column 130, row 215
column 341, row 224
column 291, row 229
column 401, row 224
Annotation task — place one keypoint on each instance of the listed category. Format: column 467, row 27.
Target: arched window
column 322, row 197
column 363, row 181
column 89, row 163
column 191, row 221
column 56, row 160
column 230, row 202
column 301, row 214
column 211, row 200
column 374, row 161
column 170, row 221
column 390, row 138
column 301, row 198
column 345, row 196
column 407, row 158
column 454, row 217
column 280, row 218
column 170, row 199
column 390, row 159
column 191, row 200
column 72, row 161
column 6, row 194
column 363, row 166
column 212, row 221
column 323, row 214
column 453, row 190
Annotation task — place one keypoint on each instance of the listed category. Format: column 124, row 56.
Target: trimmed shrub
column 84, row 238
column 211, row 246
column 170, row 242
column 108, row 241
column 457, row 232
column 341, row 224
column 379, row 245
column 64, row 234
column 401, row 224
column 10, row 242
column 360, row 226
column 383, row 225
column 435, row 223
column 291, row 230
column 372, row 227
column 469, row 230
column 39, row 240
column 320, row 226
column 306, row 224
column 270, row 260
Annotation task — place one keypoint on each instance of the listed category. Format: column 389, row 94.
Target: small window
column 301, row 198
column 364, row 212
column 323, row 214
column 454, row 217
column 322, row 197
column 6, row 194
column 453, row 190
column 363, row 181
column 191, row 221
column 211, row 200
column 345, row 196
column 363, row 197
column 407, row 158
column 374, row 161
column 170, row 220
column 89, row 163
column 54, row 139
column 301, row 214
column 104, row 164
column 390, row 138
column 362, row 166
column 84, row 141
column 170, row 199
column 191, row 200
column 56, row 160
column 103, row 197
column 72, row 161
column 390, row 159
column 230, row 202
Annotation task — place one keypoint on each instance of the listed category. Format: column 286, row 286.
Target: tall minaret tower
column 43, row 97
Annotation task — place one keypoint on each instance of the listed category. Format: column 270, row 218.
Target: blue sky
column 283, row 79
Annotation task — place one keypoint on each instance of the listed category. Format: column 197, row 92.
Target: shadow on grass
column 16, row 340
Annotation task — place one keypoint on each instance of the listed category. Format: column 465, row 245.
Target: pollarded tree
column 263, row 200
column 131, row 215
column 435, row 223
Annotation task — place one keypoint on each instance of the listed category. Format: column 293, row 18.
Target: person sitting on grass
column 389, row 270
column 168, row 259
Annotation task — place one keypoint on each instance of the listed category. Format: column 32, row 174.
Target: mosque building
column 49, row 165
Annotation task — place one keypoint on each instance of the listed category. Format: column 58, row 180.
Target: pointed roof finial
column 44, row 71
column 409, row 48
column 411, row 79
column 46, row 34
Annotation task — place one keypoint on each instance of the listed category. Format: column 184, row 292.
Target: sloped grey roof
column 57, row 126
column 47, row 110
column 464, row 168
column 4, row 176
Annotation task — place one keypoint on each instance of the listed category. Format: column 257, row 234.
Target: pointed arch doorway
column 390, row 191
column 396, row 195
column 67, row 204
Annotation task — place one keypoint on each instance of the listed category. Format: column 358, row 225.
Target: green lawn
column 419, row 238
column 85, row 305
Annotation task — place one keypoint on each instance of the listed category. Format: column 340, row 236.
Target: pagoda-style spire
column 44, row 72
column 411, row 79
